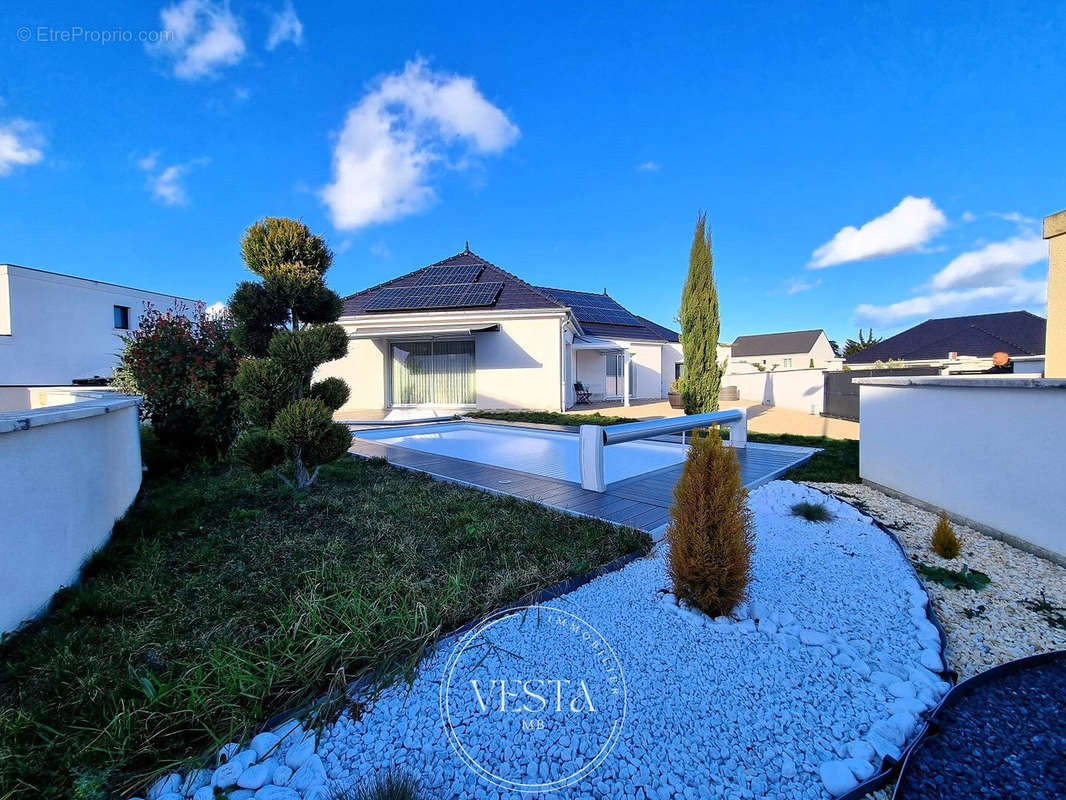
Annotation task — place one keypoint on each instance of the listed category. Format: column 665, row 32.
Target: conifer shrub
column 711, row 534
column 945, row 542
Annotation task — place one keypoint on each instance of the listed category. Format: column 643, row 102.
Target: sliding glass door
column 433, row 373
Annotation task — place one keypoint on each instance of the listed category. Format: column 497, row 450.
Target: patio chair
column 582, row 396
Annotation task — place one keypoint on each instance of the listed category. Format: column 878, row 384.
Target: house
column 55, row 329
column 463, row 333
column 962, row 344
column 788, row 350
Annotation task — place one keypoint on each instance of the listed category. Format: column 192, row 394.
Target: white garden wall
column 990, row 450
column 799, row 389
column 67, row 472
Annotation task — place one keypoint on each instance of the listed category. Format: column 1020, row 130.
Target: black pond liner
column 889, row 766
column 939, row 724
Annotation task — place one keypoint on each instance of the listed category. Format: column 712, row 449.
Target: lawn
column 225, row 598
column 838, row 461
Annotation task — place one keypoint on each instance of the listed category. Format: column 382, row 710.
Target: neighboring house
column 962, row 344
column 463, row 333
column 55, row 329
column 788, row 350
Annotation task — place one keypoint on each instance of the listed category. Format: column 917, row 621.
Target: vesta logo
column 534, row 696
column 538, row 681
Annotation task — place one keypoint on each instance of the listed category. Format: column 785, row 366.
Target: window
column 433, row 373
column 788, row 363
column 679, row 369
column 122, row 317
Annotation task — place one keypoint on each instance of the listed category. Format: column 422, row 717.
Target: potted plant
column 674, row 395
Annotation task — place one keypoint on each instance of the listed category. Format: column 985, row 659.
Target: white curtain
column 433, row 373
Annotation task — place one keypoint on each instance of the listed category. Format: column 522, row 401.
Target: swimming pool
column 553, row 454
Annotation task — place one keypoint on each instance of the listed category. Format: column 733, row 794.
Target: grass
column 551, row 417
column 837, row 463
column 224, row 598
column 812, row 512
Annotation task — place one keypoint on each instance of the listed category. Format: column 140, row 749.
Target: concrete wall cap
column 975, row 382
column 11, row 421
column 1055, row 225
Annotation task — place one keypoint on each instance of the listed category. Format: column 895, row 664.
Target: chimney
column 1055, row 349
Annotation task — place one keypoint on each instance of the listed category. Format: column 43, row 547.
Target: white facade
column 57, row 328
column 989, row 450
column 521, row 360
column 820, row 353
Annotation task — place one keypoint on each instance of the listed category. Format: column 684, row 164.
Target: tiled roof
column 1016, row 333
column 773, row 344
column 515, row 294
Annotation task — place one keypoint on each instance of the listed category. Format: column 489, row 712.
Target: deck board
column 642, row 501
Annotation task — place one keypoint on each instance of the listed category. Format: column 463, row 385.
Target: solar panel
column 436, row 276
column 596, row 308
column 457, row 295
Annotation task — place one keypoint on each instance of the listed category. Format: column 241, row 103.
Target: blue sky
column 572, row 147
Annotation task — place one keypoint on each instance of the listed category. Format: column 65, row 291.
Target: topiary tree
column 945, row 542
column 700, row 327
column 286, row 323
column 710, row 533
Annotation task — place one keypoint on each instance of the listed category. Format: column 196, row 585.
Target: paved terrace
column 642, row 501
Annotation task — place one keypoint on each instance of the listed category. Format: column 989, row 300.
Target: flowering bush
column 184, row 365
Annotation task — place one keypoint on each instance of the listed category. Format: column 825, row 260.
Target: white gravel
column 987, row 627
column 798, row 695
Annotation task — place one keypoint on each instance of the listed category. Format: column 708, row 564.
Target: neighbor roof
column 773, row 344
column 514, row 294
column 1016, row 333
column 602, row 315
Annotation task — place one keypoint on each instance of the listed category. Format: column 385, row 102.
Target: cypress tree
column 700, row 327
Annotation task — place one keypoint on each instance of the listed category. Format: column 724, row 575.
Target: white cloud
column 994, row 298
column 797, row 285
column 216, row 309
column 906, row 227
column 206, row 35
column 968, row 216
column 390, row 141
column 285, row 26
column 20, row 145
column 381, row 250
column 166, row 183
column 994, row 264
column 648, row 166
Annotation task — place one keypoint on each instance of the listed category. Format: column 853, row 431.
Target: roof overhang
column 414, row 332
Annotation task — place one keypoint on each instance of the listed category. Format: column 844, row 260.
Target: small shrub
column 812, row 512
column 710, row 534
column 259, row 448
column 945, row 542
column 393, row 785
column 964, row 578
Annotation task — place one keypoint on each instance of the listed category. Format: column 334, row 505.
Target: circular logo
column 533, row 699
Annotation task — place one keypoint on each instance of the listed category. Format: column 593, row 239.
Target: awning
column 415, row 332
column 593, row 343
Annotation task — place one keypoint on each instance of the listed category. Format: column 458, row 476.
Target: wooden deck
column 641, row 502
